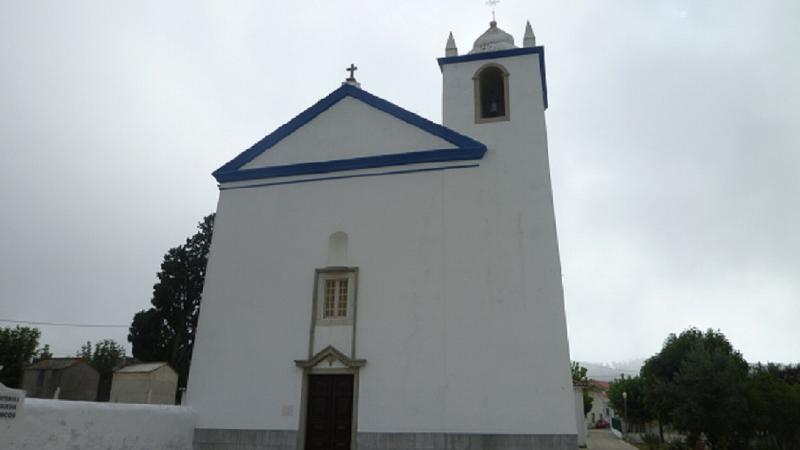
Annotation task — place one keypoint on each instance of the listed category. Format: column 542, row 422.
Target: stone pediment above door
column 330, row 358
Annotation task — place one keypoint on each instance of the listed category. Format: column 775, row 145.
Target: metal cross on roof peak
column 352, row 69
column 493, row 4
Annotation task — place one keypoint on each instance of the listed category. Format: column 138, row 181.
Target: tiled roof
column 142, row 368
column 54, row 364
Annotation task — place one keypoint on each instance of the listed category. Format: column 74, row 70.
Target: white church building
column 380, row 281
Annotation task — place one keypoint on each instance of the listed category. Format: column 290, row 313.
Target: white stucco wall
column 348, row 129
column 157, row 387
column 460, row 305
column 60, row 424
column 579, row 421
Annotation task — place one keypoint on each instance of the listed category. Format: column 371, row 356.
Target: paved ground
column 605, row 440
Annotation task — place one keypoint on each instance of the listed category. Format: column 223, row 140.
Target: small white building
column 601, row 406
column 61, row 378
column 377, row 280
column 149, row 383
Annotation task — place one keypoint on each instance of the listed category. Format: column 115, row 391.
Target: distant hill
column 608, row 371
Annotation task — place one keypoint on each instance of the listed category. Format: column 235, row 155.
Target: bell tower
column 496, row 93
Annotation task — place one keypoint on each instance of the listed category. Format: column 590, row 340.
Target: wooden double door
column 329, row 414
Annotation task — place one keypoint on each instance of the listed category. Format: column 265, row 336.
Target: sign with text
column 11, row 401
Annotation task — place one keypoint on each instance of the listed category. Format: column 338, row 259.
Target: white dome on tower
column 493, row 39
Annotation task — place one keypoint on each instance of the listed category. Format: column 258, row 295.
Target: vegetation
column 774, row 395
column 700, row 386
column 42, row 354
column 105, row 357
column 18, row 349
column 636, row 412
column 579, row 378
column 166, row 331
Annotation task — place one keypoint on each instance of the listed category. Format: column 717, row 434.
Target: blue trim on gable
column 342, row 177
column 466, row 147
column 369, row 162
column 503, row 54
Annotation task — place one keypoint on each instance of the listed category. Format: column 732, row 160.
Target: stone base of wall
column 211, row 439
column 451, row 441
column 208, row 439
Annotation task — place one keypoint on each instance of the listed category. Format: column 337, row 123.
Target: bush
column 678, row 444
column 651, row 441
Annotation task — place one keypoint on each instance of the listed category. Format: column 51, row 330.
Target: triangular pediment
column 349, row 129
column 328, row 358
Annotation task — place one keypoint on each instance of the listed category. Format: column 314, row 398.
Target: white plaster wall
column 134, row 387
column 517, row 170
column 579, row 423
column 61, row 424
column 339, row 336
column 348, row 129
column 460, row 307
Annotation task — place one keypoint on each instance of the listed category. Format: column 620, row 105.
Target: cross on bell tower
column 493, row 4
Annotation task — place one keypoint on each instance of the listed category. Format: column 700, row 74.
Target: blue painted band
column 503, row 54
column 369, row 162
column 466, row 147
column 341, row 177
column 490, row 55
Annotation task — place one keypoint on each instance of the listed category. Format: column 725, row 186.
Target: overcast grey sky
column 673, row 131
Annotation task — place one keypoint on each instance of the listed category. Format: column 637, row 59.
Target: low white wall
column 60, row 424
column 579, row 416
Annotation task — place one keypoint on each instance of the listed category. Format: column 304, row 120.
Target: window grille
column 330, row 298
column 335, row 296
column 341, row 310
column 335, row 305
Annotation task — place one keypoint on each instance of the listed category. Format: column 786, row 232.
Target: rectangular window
column 335, row 299
column 341, row 301
column 330, row 298
column 335, row 296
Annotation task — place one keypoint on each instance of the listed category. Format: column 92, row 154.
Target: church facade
column 380, row 281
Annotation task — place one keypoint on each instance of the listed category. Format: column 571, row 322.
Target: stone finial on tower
column 450, row 49
column 529, row 40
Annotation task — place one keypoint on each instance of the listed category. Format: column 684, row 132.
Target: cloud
column 671, row 128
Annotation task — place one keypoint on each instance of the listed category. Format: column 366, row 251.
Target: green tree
column 86, row 351
column 636, row 412
column 659, row 372
column 42, row 354
column 579, row 378
column 696, row 383
column 105, row 357
column 775, row 405
column 17, row 348
column 166, row 331
column 788, row 373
